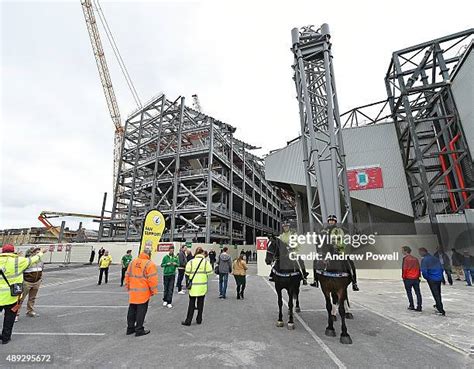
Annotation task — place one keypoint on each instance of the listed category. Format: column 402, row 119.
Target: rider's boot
column 271, row 277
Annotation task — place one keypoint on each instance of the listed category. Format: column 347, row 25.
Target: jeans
column 8, row 321
column 168, row 286
column 101, row 272
column 415, row 284
column 192, row 306
column 124, row 270
column 469, row 274
column 448, row 274
column 223, row 278
column 435, row 287
column 136, row 317
column 179, row 283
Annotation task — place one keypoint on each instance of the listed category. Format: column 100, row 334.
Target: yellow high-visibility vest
column 13, row 267
column 199, row 284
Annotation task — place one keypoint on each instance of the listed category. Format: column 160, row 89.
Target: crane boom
column 106, row 81
column 101, row 63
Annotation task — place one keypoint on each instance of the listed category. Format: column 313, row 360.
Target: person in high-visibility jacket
column 198, row 270
column 104, row 263
column 12, row 266
column 141, row 282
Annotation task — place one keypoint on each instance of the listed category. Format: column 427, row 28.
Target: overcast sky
column 56, row 133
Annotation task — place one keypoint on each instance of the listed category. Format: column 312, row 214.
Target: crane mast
column 106, row 81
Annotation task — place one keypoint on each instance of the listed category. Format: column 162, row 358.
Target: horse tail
column 347, row 299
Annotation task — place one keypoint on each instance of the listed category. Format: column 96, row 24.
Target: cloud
column 56, row 133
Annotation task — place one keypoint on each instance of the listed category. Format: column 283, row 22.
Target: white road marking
column 315, row 310
column 414, row 329
column 319, row 341
column 101, row 292
column 82, row 306
column 57, row 334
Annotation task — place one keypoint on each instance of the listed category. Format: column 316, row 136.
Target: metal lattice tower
column 189, row 166
column 323, row 150
column 435, row 154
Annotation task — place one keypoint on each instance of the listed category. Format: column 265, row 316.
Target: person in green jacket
column 198, row 270
column 169, row 265
column 12, row 267
column 126, row 259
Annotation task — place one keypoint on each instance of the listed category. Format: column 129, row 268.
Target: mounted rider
column 336, row 237
column 285, row 237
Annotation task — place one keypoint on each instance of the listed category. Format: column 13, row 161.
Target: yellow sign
column 152, row 230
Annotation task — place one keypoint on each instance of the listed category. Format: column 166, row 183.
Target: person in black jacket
column 445, row 263
column 100, row 254
column 457, row 260
column 181, row 268
column 212, row 258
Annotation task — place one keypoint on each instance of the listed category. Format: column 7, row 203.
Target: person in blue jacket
column 432, row 271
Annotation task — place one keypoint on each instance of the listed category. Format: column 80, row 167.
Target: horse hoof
column 280, row 324
column 330, row 333
column 297, row 309
column 349, row 316
column 346, row 340
column 334, row 318
column 291, row 326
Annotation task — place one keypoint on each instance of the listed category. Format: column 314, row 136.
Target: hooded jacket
column 225, row 263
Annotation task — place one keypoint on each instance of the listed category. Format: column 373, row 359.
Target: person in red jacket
column 411, row 277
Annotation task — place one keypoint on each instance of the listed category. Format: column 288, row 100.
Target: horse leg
column 345, row 338
column 297, row 307
column 330, row 328
column 280, row 306
column 291, row 324
column 348, row 313
column 334, row 304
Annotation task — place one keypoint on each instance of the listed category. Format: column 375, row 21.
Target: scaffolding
column 323, row 150
column 435, row 154
column 189, row 166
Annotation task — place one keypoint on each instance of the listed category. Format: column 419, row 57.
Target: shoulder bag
column 190, row 280
column 16, row 289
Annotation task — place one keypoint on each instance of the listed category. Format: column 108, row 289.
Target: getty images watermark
column 343, row 240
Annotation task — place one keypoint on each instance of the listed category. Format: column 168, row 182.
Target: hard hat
column 332, row 217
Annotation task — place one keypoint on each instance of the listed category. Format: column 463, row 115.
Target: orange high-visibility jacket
column 141, row 279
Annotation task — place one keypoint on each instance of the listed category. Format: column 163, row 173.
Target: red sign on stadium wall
column 366, row 178
column 262, row 243
column 164, row 247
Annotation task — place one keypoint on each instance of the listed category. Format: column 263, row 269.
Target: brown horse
column 334, row 280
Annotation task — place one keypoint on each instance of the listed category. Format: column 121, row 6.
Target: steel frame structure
column 190, row 166
column 323, row 149
column 369, row 114
column 435, row 154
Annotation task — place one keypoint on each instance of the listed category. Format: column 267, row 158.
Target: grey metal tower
column 323, row 150
column 436, row 157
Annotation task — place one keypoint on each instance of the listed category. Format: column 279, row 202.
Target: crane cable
column 117, row 54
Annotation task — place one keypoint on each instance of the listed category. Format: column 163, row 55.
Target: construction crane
column 88, row 7
column 54, row 230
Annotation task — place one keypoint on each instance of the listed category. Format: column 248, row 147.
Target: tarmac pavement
column 83, row 325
